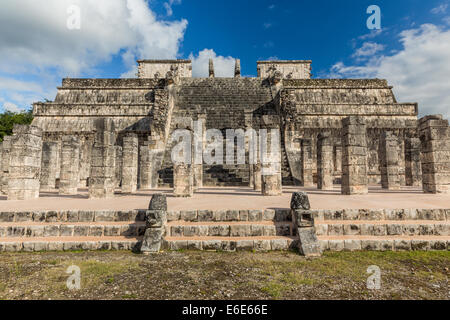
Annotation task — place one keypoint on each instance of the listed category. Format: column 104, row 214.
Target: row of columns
column 29, row 164
column 430, row 155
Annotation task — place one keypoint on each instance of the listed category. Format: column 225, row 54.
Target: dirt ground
column 210, row 275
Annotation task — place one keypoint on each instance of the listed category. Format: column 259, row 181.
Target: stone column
column 130, row 163
column 49, row 165
column 58, row 166
column 338, row 164
column 85, row 161
column 157, row 152
column 103, row 158
column 257, row 177
column 145, row 173
column 354, row 156
column 324, row 162
column 390, row 175
column 307, row 163
column 70, row 165
column 251, row 180
column 6, row 154
column 25, row 163
column 271, row 180
column 198, row 176
column 401, row 160
column 118, row 166
column 271, row 184
column 435, row 147
column 198, row 147
column 413, row 167
column 183, row 180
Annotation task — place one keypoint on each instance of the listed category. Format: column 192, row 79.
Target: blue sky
column 410, row 50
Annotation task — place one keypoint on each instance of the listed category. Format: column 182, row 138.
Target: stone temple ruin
column 115, row 135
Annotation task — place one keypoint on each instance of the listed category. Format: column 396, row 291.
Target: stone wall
column 25, row 163
column 146, row 105
column 300, row 69
column 156, row 69
column 311, row 106
column 435, row 147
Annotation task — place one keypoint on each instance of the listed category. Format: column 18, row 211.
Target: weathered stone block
column 25, row 158
column 130, row 163
column 70, row 165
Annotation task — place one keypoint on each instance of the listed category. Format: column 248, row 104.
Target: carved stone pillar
column 25, row 163
column 130, row 163
column 354, row 156
column 49, row 165
column 324, row 162
column 435, row 147
column 70, row 165
column 390, row 168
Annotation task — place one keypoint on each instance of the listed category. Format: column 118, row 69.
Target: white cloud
column 368, row 49
column 372, row 34
column 271, row 7
column 36, row 43
column 440, row 9
column 267, row 25
column 18, row 85
column 419, row 72
column 168, row 6
column 37, row 34
column 223, row 66
column 9, row 106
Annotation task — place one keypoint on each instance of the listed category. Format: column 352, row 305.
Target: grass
column 224, row 275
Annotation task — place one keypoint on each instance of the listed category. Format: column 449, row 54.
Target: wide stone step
column 384, row 243
column 253, row 216
column 230, row 243
column 383, row 227
column 69, row 229
column 69, row 243
column 73, row 216
column 381, row 214
column 229, row 229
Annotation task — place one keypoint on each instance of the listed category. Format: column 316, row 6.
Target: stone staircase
column 225, row 101
column 226, row 230
column 232, row 230
column 403, row 229
column 71, row 230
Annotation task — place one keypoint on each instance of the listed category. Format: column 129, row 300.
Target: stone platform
column 236, row 198
column 229, row 219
